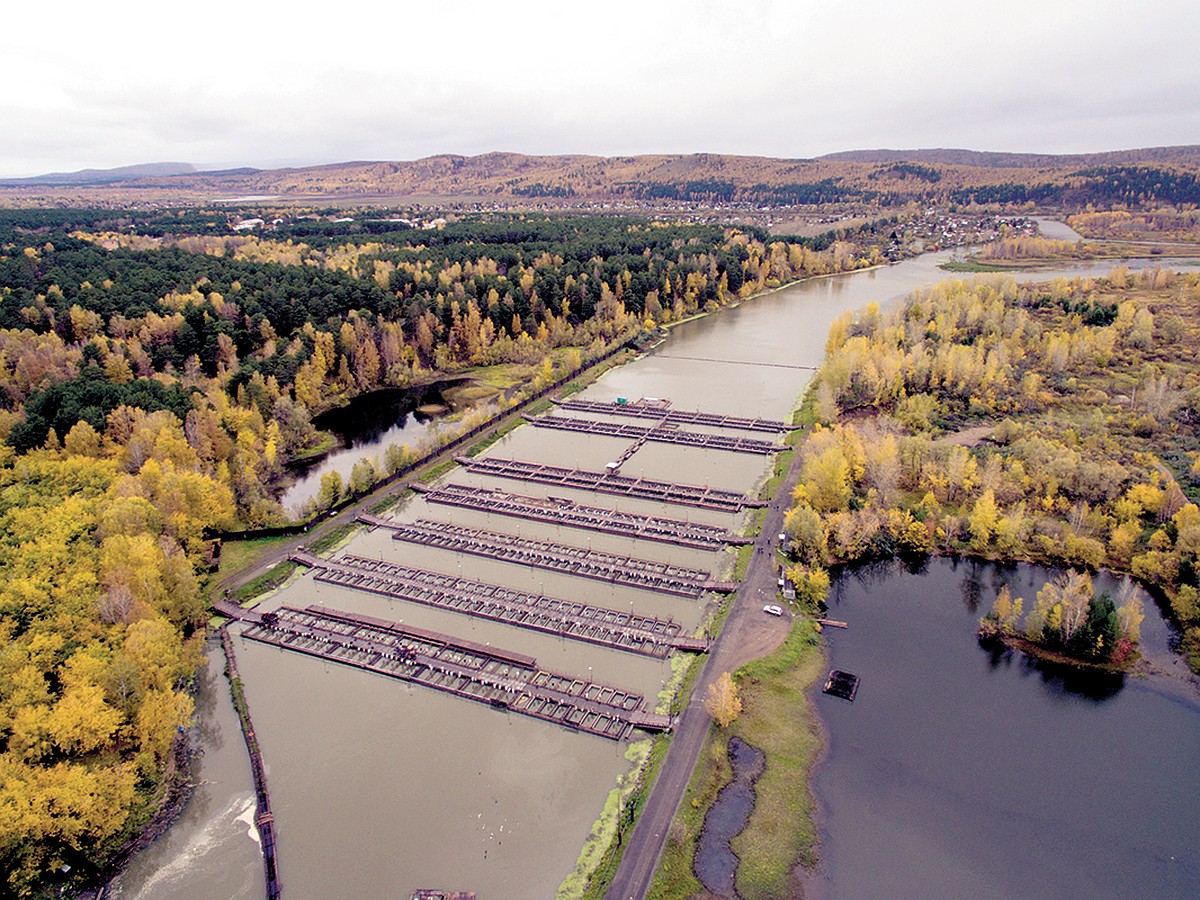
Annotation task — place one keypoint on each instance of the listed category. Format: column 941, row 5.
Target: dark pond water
column 366, row 426
column 716, row 863
column 963, row 772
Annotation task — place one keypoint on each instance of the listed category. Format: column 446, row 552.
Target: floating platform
column 559, row 511
column 491, row 675
column 659, row 413
column 620, row 630
column 698, row 496
column 583, row 562
column 661, row 434
column 841, row 684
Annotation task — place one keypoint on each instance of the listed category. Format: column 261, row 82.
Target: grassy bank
column 776, row 718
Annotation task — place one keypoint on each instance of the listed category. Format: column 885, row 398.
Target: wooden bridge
column 485, row 674
column 645, row 635
column 698, row 496
column 559, row 511
column 677, row 416
column 662, row 434
column 579, row 561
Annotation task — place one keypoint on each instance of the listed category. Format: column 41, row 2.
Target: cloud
column 230, row 83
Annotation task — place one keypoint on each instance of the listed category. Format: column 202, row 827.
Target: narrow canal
column 379, row 787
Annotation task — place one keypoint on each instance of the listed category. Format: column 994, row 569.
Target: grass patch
column 331, row 538
column 744, row 555
column 387, row 502
column 328, row 442
column 783, row 459
column 434, row 472
column 777, row 718
column 537, row 407
column 237, row 556
column 970, row 265
column 483, row 443
column 265, row 583
column 674, row 879
column 601, row 847
column 503, row 376
column 602, row 874
column 683, row 669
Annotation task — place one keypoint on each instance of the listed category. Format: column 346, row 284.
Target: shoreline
column 179, row 786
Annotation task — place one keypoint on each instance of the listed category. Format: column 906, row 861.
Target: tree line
column 157, row 373
column 1052, row 423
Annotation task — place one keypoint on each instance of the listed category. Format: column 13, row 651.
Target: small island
column 1068, row 623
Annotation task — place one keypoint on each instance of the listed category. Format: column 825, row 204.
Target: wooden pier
column 560, row 511
column 676, row 416
column 579, row 561
column 662, row 434
column 621, row 630
column 264, row 821
column 485, row 674
column 698, row 496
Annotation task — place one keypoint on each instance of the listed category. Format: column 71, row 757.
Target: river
column 379, row 788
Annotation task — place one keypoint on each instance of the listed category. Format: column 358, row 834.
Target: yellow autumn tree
column 723, row 702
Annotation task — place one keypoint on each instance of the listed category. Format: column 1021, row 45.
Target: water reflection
column 366, row 426
column 1059, row 679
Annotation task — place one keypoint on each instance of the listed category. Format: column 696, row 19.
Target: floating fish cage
column 841, row 684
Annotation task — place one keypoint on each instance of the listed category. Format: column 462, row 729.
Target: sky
column 221, row 84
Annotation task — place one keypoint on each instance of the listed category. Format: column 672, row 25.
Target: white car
column 772, row 610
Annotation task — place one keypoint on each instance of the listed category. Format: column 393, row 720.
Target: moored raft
column 841, row 684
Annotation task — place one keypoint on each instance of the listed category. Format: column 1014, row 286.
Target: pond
column 960, row 771
column 366, row 426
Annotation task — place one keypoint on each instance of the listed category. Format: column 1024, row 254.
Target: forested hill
column 879, row 178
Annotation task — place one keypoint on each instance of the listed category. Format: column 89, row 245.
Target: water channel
column 379, row 788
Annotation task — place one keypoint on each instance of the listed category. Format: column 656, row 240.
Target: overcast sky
column 222, row 83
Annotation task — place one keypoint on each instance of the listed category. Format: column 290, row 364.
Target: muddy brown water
column 214, row 839
column 379, row 788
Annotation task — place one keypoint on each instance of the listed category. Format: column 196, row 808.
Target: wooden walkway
column 485, row 674
column 621, row 630
column 676, row 416
column 662, row 434
column 559, row 511
column 694, row 495
column 264, row 820
column 231, row 610
column 583, row 562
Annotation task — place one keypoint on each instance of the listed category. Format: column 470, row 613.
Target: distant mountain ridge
column 1187, row 153
column 106, row 176
column 877, row 177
